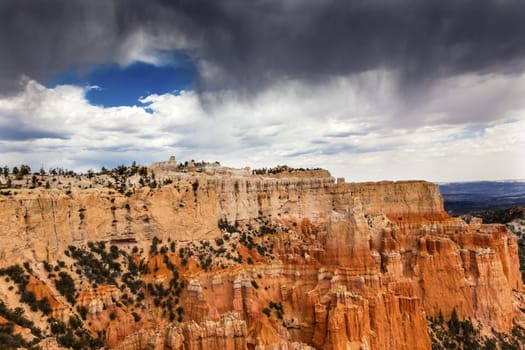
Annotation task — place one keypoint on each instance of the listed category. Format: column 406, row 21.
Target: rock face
column 42, row 223
column 229, row 333
column 377, row 259
column 99, row 299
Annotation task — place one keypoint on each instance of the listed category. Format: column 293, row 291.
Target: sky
column 370, row 90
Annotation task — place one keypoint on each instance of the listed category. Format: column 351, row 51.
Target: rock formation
column 353, row 265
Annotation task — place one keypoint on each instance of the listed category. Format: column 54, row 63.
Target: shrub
column 66, row 286
column 43, row 305
column 453, row 323
column 82, row 310
column 27, row 267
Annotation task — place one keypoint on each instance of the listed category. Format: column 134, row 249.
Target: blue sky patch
column 469, row 132
column 114, row 85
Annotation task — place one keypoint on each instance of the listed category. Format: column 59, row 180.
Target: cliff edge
column 217, row 258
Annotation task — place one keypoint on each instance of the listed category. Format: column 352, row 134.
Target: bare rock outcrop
column 356, row 266
column 229, row 333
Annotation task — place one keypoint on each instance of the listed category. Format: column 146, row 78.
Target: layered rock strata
column 377, row 259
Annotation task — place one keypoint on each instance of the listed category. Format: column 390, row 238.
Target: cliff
column 287, row 260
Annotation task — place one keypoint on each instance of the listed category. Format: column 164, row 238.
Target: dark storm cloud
column 315, row 40
column 22, row 134
column 13, row 128
column 252, row 43
column 42, row 38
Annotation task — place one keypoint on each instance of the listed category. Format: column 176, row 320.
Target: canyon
column 220, row 258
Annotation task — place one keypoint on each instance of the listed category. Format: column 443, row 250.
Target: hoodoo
column 199, row 256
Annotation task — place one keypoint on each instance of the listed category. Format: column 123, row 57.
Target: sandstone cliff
column 315, row 263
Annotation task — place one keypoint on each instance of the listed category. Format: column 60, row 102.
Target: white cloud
column 347, row 126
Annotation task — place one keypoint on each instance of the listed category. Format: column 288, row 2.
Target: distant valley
column 466, row 197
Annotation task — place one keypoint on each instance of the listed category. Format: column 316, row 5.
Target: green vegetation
column 224, row 225
column 124, row 179
column 267, row 311
column 82, row 311
column 9, row 340
column 463, row 334
column 17, row 317
column 73, row 335
column 66, row 286
column 97, row 265
column 21, row 279
column 280, row 169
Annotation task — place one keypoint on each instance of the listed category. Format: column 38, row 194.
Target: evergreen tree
column 453, row 323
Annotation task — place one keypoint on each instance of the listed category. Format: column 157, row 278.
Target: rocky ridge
column 514, row 220
column 293, row 259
